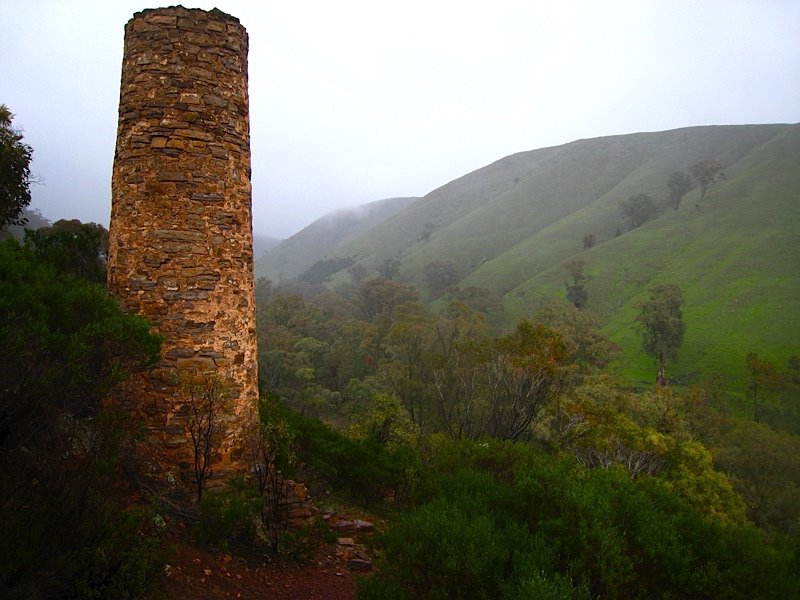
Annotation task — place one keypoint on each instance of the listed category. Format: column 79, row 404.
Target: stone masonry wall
column 180, row 239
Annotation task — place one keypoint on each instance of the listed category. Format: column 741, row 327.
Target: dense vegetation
column 526, row 462
column 502, row 520
column 64, row 344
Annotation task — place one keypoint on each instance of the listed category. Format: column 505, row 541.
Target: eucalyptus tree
column 660, row 323
column 15, row 172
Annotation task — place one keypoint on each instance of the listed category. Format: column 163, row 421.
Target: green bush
column 123, row 565
column 468, row 542
column 64, row 344
column 80, row 548
column 452, row 554
column 502, row 520
column 363, row 470
column 229, row 515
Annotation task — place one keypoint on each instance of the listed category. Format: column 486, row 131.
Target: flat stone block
column 164, row 176
column 163, row 20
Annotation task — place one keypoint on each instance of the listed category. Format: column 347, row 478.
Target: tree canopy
column 706, row 172
column 679, row 184
column 15, row 172
column 660, row 323
column 72, row 247
column 576, row 289
column 638, row 210
column 440, row 275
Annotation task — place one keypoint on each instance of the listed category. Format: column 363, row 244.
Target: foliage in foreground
column 63, row 345
column 15, row 172
column 501, row 520
column 363, row 470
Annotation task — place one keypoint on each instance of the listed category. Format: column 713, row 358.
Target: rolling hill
column 512, row 226
column 292, row 257
column 34, row 220
column 263, row 243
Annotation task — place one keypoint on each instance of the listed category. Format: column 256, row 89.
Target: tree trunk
column 755, row 402
column 661, row 379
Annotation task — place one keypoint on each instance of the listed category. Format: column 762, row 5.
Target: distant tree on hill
column 706, row 172
column 379, row 297
column 586, row 344
column 638, row 209
column 763, row 380
column 478, row 299
column 322, row 270
column 589, row 241
column 660, row 323
column 679, row 184
column 440, row 275
column 357, row 272
column 15, row 172
column 576, row 289
column 390, row 268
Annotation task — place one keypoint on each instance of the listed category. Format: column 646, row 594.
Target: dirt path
column 197, row 573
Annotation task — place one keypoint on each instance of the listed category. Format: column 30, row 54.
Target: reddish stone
column 172, row 199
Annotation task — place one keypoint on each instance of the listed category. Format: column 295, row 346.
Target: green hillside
column 34, row 220
column 479, row 217
column 512, row 226
column 263, row 243
column 292, row 257
column 735, row 255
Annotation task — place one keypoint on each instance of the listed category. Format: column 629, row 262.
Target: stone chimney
column 180, row 238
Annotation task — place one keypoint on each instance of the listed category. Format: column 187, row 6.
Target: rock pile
column 300, row 511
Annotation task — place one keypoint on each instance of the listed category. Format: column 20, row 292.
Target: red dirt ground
column 197, row 572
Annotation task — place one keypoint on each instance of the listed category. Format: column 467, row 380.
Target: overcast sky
column 355, row 101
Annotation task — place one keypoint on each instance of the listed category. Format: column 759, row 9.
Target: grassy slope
column 735, row 256
column 616, row 168
column 398, row 237
column 321, row 239
column 503, row 223
column 263, row 243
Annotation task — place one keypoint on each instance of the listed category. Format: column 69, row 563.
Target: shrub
column 80, row 547
column 64, row 344
column 364, row 470
column 547, row 527
column 229, row 515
